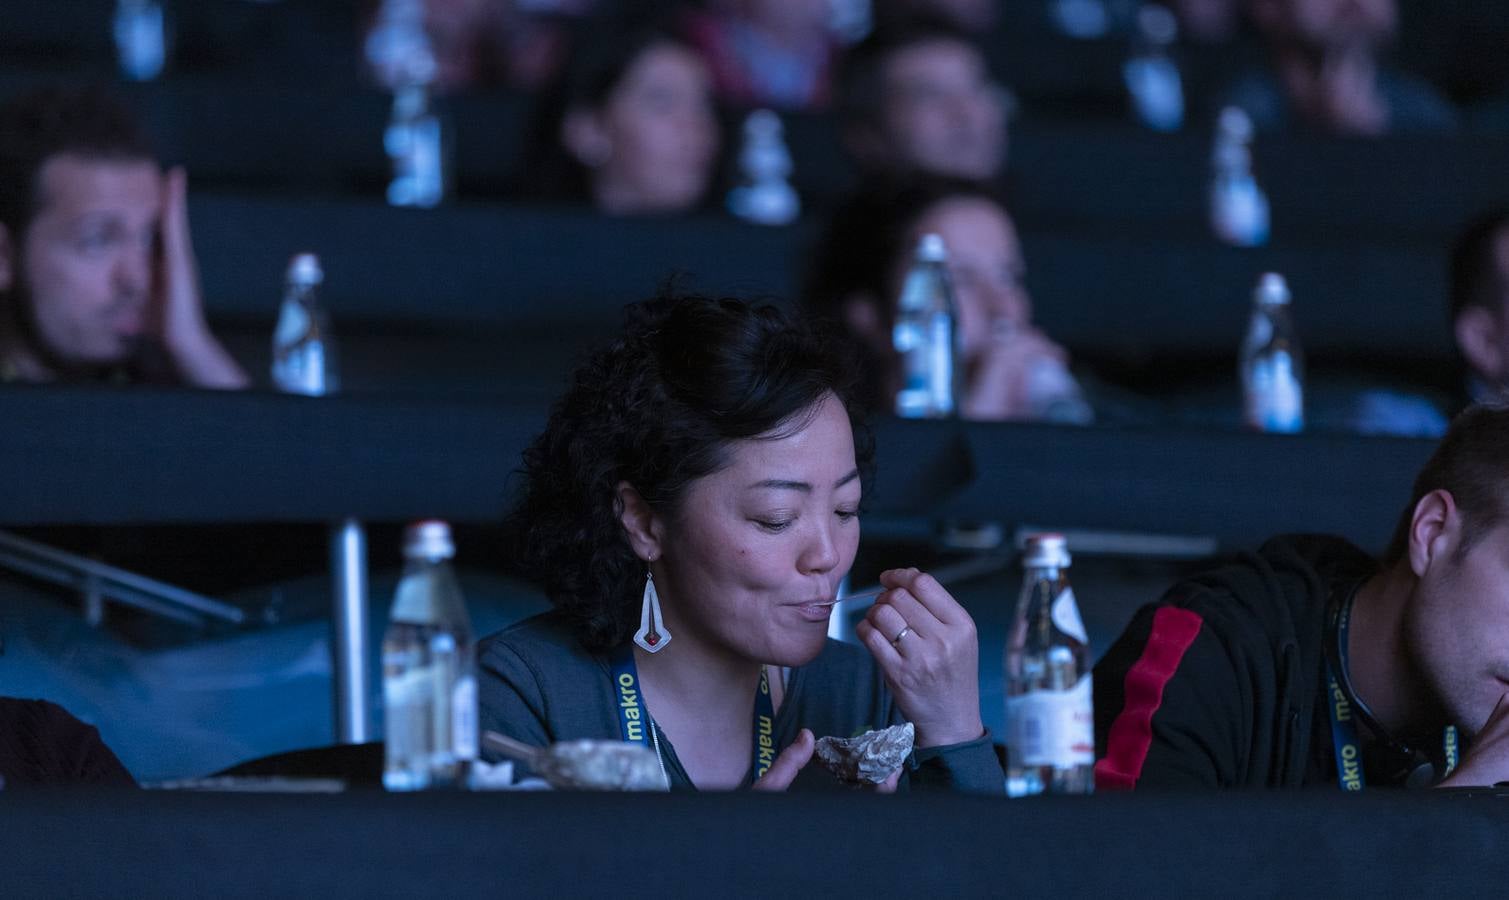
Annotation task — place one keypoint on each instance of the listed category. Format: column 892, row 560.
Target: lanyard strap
column 634, row 722
column 1349, row 774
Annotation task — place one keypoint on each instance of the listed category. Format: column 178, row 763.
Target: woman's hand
column 999, row 380
column 925, row 643
column 783, row 771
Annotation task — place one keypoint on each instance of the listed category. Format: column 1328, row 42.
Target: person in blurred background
column 1310, row 662
column 1480, row 303
column 973, row 16
column 701, row 480
column 920, row 97
column 1012, row 370
column 1208, row 21
column 492, row 43
column 97, row 274
column 766, row 53
column 1326, row 70
column 631, row 129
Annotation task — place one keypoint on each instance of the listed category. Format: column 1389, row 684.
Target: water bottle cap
column 1272, row 290
column 304, row 268
column 1046, row 551
column 429, row 539
column 931, row 249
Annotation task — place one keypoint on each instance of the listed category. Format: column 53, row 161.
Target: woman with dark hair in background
column 1012, row 371
column 631, row 127
column 700, row 482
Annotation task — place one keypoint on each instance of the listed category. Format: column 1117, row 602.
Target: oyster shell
column 869, row 758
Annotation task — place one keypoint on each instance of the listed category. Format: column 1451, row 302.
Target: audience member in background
column 631, row 129
column 770, row 53
column 1480, row 304
column 1208, row 21
column 1012, row 370
column 1479, row 314
column 491, row 43
column 41, row 744
column 920, row 97
column 701, row 480
column 973, row 16
column 97, row 275
column 1326, row 70
column 1310, row 662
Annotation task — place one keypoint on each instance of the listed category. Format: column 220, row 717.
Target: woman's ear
column 644, row 528
column 585, row 138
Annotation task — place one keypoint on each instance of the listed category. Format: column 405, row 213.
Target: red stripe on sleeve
column 1174, row 630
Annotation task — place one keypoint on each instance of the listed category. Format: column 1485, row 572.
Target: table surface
column 367, row 843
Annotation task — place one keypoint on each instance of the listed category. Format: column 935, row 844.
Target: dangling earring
column 651, row 635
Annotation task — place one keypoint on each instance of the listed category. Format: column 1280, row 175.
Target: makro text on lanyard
column 634, row 721
column 1349, row 775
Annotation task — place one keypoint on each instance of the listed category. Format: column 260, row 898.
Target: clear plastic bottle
column 428, row 670
column 1151, row 76
column 303, row 351
column 1238, row 206
column 141, row 38
column 1050, row 722
column 416, row 147
column 1272, row 365
column 925, row 336
column 764, row 197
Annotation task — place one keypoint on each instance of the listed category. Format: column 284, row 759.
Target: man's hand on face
column 1488, row 761
column 177, row 308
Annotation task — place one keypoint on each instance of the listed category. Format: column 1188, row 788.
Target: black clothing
column 41, row 744
column 1222, row 683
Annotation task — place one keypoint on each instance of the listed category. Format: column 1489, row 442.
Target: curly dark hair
column 659, row 408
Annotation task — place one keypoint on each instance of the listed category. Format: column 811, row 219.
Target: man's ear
column 1479, row 338
column 644, row 528
column 8, row 261
column 1434, row 530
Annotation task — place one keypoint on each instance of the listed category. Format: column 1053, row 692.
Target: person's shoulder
column 547, row 640
column 1283, row 581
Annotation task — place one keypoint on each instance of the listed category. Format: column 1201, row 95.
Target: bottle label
column 940, row 363
column 464, row 718
column 1065, row 614
column 1052, row 728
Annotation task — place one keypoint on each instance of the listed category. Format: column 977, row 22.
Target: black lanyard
column 635, row 724
column 1343, row 708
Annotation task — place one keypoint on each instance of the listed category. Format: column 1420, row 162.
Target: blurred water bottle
column 398, row 47
column 1272, row 366
column 303, row 351
column 1152, row 78
column 1050, row 721
column 1238, row 207
column 141, row 38
column 428, row 670
column 1082, row 19
column 415, row 143
column 764, row 197
column 925, row 336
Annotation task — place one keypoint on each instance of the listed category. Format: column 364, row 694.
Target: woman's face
column 661, row 135
column 751, row 564
column 985, row 263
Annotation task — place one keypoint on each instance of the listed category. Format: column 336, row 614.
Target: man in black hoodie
column 1310, row 663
